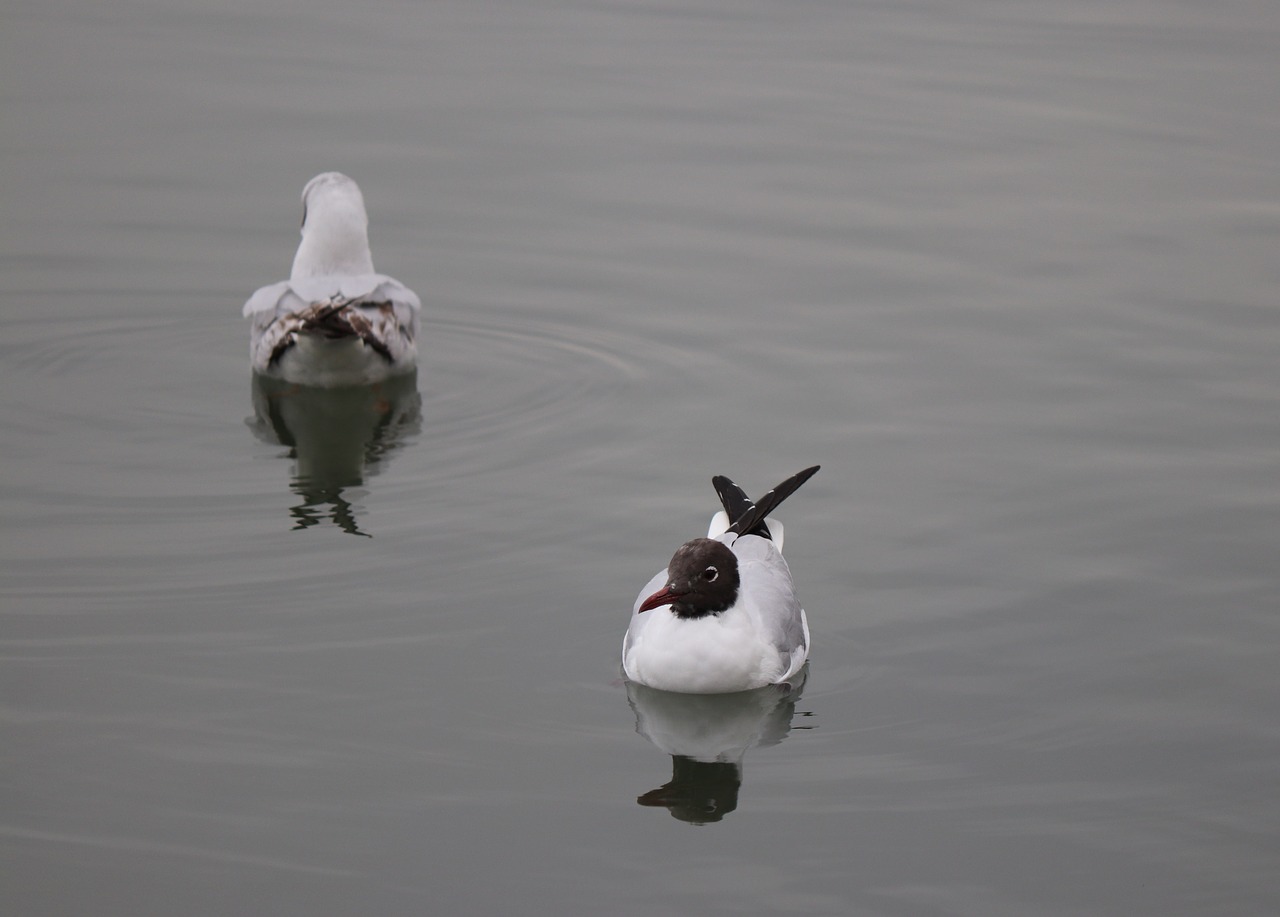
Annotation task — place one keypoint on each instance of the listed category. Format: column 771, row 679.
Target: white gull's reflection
column 337, row 438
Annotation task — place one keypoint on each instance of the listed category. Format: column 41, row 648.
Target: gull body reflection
column 337, row 438
column 707, row 736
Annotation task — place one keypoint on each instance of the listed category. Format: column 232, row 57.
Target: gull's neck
column 335, row 240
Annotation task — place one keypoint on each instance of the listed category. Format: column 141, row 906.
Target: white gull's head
column 335, row 229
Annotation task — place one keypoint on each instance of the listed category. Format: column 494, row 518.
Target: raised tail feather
column 749, row 517
column 736, row 503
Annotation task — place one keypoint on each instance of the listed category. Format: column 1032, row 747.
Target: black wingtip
column 732, row 497
column 748, row 518
column 736, row 503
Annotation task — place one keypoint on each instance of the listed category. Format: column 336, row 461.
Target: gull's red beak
column 664, row 596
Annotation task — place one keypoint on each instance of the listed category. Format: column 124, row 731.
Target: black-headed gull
column 723, row 616
column 334, row 321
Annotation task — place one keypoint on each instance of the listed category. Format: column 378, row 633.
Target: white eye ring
column 711, row 574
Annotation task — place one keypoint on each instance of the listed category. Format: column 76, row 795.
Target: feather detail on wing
column 751, row 520
column 374, row 324
column 292, row 295
column 375, row 309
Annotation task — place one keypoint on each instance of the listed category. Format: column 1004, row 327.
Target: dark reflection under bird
column 707, row 736
column 337, row 438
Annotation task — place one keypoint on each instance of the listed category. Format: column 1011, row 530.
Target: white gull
column 335, row 321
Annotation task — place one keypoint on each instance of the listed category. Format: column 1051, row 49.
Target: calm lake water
column 1008, row 271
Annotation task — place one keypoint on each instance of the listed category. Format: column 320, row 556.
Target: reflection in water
column 336, row 437
column 707, row 736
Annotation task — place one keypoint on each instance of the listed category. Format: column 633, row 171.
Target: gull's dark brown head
column 702, row 579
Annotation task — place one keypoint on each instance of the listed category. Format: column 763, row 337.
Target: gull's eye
column 710, row 574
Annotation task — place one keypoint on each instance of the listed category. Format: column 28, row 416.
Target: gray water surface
column 1008, row 271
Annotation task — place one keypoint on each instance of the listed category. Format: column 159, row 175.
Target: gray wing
column 374, row 307
column 771, row 600
column 292, row 295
